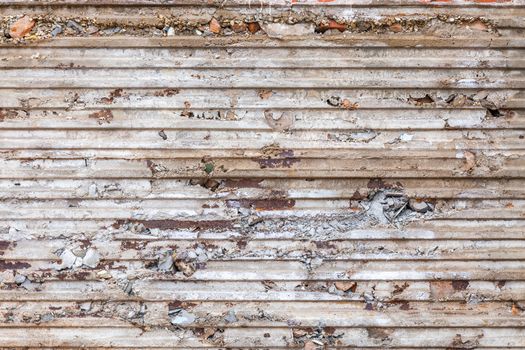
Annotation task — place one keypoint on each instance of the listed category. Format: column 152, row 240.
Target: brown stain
column 102, row 116
column 241, row 243
column 379, row 333
column 261, row 204
column 378, row 183
column 112, row 95
column 166, row 92
column 178, row 304
column 243, row 183
column 405, row 305
column 130, row 244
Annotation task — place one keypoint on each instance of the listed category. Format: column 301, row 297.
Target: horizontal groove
column 228, row 326
column 349, row 41
column 273, row 3
column 251, row 68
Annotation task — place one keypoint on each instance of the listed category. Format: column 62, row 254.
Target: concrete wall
column 264, row 174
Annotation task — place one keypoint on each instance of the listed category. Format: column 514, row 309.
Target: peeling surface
column 273, row 174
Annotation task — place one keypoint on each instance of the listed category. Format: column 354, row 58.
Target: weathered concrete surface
column 264, row 174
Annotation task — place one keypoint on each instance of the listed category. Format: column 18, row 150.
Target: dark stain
column 206, row 245
column 180, row 224
column 380, row 184
column 459, row 343
column 178, row 304
column 324, row 245
column 283, row 159
column 421, row 100
column 404, row 305
column 241, row 243
column 398, row 289
column 358, row 196
column 200, row 266
column 460, row 285
column 13, row 265
column 369, row 307
column 73, row 275
column 261, row 204
column 501, row 284
column 4, row 245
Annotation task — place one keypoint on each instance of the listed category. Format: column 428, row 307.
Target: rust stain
column 13, row 265
column 261, row 204
column 179, row 224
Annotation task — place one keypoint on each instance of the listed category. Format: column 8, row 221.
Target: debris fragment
column 346, row 286
column 91, row 258
column 492, row 109
column 396, row 28
column 331, row 24
column 56, row 30
column 418, row 205
column 253, row 27
column 280, row 30
column 165, row 262
column 310, row 345
column 68, row 260
column 75, row 26
column 187, row 268
column 478, row 25
column 86, row 306
column 470, row 161
column 181, row 317
column 334, row 101
column 19, row 279
column 104, row 274
column 265, row 94
column 208, row 168
column 22, row 27
column 215, row 26
column 346, row 104
column 230, row 318
column 163, row 135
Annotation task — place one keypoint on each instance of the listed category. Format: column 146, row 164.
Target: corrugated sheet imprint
column 262, row 174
